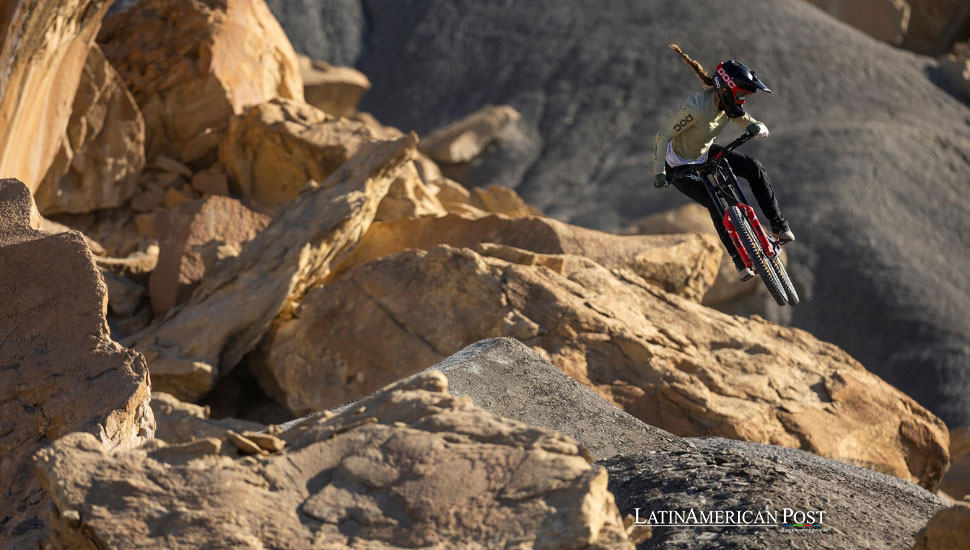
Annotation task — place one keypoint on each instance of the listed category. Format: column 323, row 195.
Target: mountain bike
column 758, row 250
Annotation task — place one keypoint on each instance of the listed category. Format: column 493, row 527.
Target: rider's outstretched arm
column 679, row 123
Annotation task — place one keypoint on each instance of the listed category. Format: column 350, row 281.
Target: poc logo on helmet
column 727, row 79
column 684, row 122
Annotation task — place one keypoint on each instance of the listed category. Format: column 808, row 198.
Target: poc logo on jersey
column 727, row 79
column 684, row 122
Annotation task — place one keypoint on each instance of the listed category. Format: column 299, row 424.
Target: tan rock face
column 274, row 148
column 42, row 52
column 668, row 361
column 103, row 150
column 333, row 90
column 192, row 64
column 235, row 306
column 62, row 373
column 192, row 239
column 949, row 529
column 886, row 20
column 682, row 264
column 465, row 139
column 412, row 466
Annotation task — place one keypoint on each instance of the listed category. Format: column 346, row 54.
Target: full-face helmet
column 734, row 82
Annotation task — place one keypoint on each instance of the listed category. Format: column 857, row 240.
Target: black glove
column 660, row 181
column 757, row 130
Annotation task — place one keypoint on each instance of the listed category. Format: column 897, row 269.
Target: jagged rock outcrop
column 666, row 360
column 949, row 529
column 180, row 422
column 103, row 149
column 192, row 64
column 862, row 508
column 446, row 474
column 60, row 370
column 682, row 264
column 42, row 55
column 273, row 149
column 409, row 197
column 192, row 239
column 235, row 305
column 333, row 90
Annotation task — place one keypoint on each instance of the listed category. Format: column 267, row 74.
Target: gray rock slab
column 509, row 379
column 863, row 508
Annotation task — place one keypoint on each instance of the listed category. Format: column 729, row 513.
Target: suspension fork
column 710, row 184
column 766, row 244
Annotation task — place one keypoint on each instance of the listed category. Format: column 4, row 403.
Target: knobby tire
column 758, row 259
column 785, row 280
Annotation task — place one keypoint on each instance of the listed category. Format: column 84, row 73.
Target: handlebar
column 741, row 140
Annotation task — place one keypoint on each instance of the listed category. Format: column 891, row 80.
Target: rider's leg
column 696, row 191
column 752, row 170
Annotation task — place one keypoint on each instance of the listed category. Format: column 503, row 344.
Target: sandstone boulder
column 666, row 360
column 192, row 239
column 682, row 264
column 61, row 371
column 465, row 139
column 411, row 466
column 333, row 90
column 273, row 149
column 949, row 529
column 42, row 52
column 935, row 24
column 956, row 482
column 886, row 20
column 180, row 422
column 727, row 293
column 192, row 64
column 409, row 197
column 862, row 508
column 235, row 305
column 102, row 151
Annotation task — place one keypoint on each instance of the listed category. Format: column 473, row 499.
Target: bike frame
column 723, row 188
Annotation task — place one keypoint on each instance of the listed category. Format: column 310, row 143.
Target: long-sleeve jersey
column 692, row 130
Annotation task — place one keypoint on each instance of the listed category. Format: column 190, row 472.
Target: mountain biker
column 687, row 139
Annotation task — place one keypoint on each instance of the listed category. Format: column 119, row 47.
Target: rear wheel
column 759, row 260
column 785, row 280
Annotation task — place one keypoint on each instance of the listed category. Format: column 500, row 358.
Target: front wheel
column 782, row 273
column 759, row 260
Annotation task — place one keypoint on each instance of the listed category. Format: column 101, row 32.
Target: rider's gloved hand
column 660, row 181
column 757, row 128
